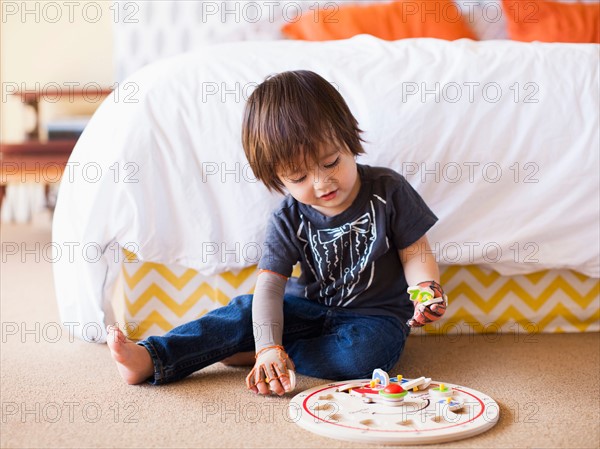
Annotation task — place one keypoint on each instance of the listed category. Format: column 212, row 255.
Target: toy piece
column 422, row 383
column 423, row 295
column 425, row 384
column 452, row 404
column 381, row 376
column 379, row 390
column 347, row 387
column 413, row 383
column 392, row 395
column 393, row 391
column 427, row 293
column 441, row 392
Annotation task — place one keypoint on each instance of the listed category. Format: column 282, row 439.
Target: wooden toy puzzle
column 386, row 410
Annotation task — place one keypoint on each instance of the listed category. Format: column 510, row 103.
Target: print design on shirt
column 341, row 257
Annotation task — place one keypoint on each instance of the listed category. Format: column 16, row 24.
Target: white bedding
column 514, row 172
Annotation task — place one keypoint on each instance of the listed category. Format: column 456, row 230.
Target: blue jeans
column 324, row 342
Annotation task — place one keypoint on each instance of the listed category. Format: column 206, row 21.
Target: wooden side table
column 34, row 159
column 34, row 98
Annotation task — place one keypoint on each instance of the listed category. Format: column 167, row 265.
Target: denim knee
column 242, row 302
column 374, row 343
column 360, row 365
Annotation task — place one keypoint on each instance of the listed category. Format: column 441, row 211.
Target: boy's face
column 329, row 185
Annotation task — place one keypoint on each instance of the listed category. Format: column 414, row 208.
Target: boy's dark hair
column 290, row 116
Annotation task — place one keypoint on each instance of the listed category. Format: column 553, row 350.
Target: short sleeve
column 280, row 252
column 409, row 217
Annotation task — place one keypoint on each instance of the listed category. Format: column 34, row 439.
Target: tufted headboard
column 152, row 30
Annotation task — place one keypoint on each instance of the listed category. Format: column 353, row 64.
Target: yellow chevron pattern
column 158, row 298
column 481, row 300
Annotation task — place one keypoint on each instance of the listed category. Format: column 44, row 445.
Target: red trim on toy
column 306, row 409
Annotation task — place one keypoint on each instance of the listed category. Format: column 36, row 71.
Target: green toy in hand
column 430, row 303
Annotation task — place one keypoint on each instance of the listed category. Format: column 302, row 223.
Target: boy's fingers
column 285, row 383
column 434, row 312
column 284, row 380
column 249, row 378
column 271, row 381
column 438, row 309
column 421, row 319
column 270, row 376
column 413, row 323
column 276, row 387
column 263, row 388
column 430, row 316
column 255, row 381
column 274, row 383
column 420, row 314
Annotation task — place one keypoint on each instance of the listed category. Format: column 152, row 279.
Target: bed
column 499, row 137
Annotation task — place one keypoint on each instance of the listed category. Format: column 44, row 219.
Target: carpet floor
column 57, row 391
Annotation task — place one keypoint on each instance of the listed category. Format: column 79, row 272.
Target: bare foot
column 133, row 361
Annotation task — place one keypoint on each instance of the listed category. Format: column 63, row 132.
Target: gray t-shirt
column 351, row 260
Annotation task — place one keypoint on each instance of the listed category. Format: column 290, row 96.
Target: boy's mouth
column 328, row 196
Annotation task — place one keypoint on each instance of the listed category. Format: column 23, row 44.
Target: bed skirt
column 156, row 298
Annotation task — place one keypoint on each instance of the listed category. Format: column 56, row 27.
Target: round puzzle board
column 421, row 418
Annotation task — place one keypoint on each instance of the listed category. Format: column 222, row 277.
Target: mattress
column 494, row 172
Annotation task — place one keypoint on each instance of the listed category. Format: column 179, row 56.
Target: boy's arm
column 423, row 275
column 272, row 363
column 267, row 309
column 419, row 262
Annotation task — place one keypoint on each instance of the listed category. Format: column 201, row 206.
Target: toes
column 115, row 334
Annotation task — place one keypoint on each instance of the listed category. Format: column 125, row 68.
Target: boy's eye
column 334, row 163
column 297, row 180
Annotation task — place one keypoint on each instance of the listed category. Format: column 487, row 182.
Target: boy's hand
column 430, row 303
column 271, row 372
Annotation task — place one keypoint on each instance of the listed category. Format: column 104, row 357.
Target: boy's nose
column 322, row 183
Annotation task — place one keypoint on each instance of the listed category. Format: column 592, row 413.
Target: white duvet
column 500, row 138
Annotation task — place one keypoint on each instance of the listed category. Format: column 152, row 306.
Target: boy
column 358, row 233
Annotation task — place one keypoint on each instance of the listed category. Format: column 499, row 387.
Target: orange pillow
column 540, row 20
column 390, row 21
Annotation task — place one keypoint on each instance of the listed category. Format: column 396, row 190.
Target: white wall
column 52, row 42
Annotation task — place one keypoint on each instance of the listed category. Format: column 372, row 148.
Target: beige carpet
column 61, row 393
